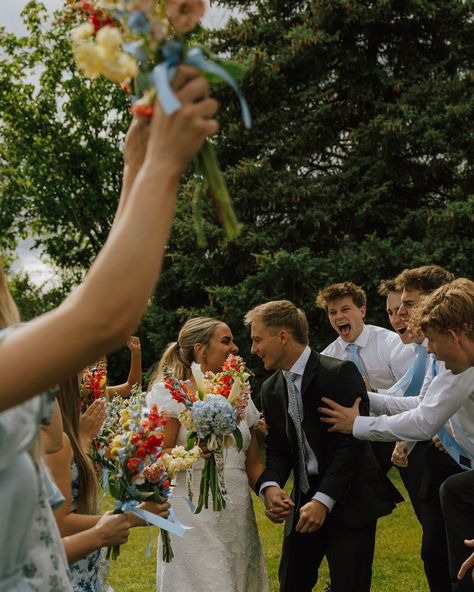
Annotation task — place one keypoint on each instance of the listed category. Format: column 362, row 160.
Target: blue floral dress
column 88, row 574
column 31, row 552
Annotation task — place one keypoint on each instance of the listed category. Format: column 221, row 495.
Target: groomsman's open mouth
column 344, row 330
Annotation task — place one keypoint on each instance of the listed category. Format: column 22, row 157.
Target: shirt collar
column 361, row 341
column 300, row 364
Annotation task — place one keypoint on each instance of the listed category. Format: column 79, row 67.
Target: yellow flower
column 82, row 32
column 87, row 59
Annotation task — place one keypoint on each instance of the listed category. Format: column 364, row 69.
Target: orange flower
column 185, row 14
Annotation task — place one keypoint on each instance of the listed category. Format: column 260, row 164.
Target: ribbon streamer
column 163, row 74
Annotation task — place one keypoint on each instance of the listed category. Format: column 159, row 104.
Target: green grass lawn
column 397, row 565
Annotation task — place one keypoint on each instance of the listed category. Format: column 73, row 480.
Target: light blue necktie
column 294, row 413
column 354, row 356
column 414, row 376
column 453, row 449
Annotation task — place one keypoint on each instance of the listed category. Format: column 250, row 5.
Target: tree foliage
column 359, row 163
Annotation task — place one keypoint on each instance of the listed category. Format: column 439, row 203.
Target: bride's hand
column 205, row 452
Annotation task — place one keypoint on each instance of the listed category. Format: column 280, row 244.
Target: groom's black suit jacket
column 348, row 471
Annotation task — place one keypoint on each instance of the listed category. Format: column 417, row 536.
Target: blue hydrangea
column 215, row 415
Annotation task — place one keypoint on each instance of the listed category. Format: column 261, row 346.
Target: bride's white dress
column 223, row 551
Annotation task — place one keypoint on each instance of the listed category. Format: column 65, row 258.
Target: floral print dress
column 88, row 574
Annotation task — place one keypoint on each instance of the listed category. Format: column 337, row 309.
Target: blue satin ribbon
column 171, row 524
column 163, row 74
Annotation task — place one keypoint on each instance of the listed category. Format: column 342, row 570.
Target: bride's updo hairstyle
column 179, row 355
column 9, row 314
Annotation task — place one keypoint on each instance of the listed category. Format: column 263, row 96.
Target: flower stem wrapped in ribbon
column 127, row 41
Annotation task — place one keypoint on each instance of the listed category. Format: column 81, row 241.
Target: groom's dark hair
column 281, row 314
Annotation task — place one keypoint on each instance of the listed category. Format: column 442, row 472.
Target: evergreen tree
column 359, row 163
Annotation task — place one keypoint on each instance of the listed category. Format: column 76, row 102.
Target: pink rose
column 185, row 14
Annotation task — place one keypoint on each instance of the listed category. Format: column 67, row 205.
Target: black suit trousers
column 457, row 502
column 349, row 552
column 434, row 547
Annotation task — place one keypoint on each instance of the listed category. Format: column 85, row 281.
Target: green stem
column 208, row 165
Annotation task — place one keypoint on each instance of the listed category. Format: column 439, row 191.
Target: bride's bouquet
column 139, row 44
column 211, row 417
column 138, row 470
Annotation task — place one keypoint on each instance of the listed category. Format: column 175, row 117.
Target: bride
column 223, row 551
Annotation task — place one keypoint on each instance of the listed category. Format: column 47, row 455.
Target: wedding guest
column 380, row 356
column 134, row 378
column 446, row 318
column 72, row 471
column 444, row 397
column 378, row 353
column 339, row 490
column 33, row 357
column 230, row 539
column 410, row 471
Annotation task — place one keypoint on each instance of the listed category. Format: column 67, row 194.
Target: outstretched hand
column 400, row 454
column 468, row 564
column 341, row 418
column 134, row 345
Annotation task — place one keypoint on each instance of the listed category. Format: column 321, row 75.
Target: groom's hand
column 312, row 516
column 278, row 504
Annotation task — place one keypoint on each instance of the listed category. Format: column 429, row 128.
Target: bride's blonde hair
column 9, row 314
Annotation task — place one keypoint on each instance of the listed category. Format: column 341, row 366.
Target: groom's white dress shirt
column 447, row 396
column 384, row 357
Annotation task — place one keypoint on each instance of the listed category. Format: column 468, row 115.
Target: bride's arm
column 100, row 315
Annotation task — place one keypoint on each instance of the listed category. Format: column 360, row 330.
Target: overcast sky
column 28, row 258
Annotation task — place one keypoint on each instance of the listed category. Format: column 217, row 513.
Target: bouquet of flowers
column 139, row 44
column 93, row 384
column 138, row 469
column 211, row 418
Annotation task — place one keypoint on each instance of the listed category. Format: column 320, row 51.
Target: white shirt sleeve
column 445, row 395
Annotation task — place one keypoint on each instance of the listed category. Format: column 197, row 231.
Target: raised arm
column 91, row 322
column 134, row 375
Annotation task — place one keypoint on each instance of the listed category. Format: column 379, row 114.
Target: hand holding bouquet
column 139, row 44
column 137, row 468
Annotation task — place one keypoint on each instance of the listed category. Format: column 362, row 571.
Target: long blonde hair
column 179, row 355
column 9, row 314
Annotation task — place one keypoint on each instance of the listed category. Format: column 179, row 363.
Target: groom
column 339, row 490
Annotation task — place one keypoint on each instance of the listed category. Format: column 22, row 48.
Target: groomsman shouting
column 379, row 354
column 444, row 396
column 446, row 317
column 339, row 491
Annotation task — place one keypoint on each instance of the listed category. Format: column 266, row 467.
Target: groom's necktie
column 354, row 356
column 414, row 376
column 294, row 413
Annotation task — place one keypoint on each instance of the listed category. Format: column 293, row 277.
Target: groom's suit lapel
column 311, row 397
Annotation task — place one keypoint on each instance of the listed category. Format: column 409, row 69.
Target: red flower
column 133, row 463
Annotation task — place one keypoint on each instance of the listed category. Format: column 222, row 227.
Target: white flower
column 198, row 378
column 235, row 391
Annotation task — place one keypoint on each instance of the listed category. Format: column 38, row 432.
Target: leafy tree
column 359, row 163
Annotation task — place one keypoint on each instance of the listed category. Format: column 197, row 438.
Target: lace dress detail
column 223, row 551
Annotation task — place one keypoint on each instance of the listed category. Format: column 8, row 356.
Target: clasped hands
column 278, row 506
